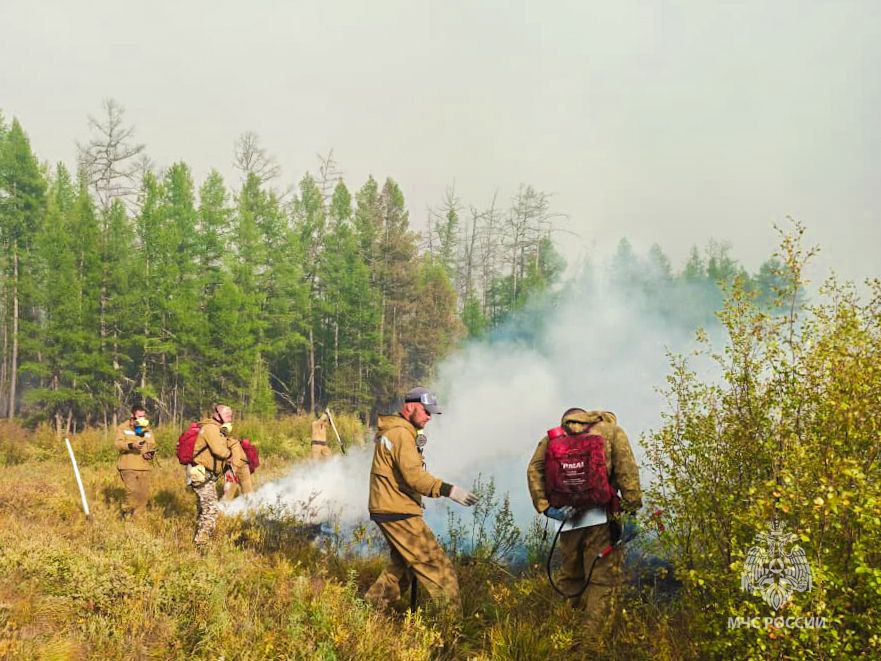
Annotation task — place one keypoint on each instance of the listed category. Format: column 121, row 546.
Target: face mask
column 226, row 428
column 141, row 425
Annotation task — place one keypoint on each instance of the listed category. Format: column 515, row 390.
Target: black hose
column 551, row 578
column 621, row 542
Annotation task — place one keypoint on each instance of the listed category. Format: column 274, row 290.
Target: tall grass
column 286, row 437
column 268, row 589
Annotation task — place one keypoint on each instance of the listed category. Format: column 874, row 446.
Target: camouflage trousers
column 206, row 512
column 414, row 553
column 578, row 548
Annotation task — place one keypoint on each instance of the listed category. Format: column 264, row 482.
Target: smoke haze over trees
column 124, row 283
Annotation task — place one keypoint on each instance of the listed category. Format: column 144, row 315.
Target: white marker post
column 79, row 481
column 332, row 424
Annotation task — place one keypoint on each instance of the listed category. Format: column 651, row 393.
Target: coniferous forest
column 124, row 282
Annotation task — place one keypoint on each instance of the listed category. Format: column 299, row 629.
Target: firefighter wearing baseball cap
column 579, row 546
column 398, row 481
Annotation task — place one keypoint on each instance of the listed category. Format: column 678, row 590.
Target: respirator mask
column 226, row 428
column 141, row 426
column 421, row 440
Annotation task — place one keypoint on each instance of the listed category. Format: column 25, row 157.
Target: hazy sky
column 672, row 122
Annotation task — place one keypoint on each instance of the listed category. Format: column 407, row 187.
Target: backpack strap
column 214, row 457
column 196, row 454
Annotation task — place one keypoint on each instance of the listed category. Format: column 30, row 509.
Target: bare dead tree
column 251, row 158
column 527, row 223
column 329, row 175
column 110, row 157
column 489, row 243
column 468, row 264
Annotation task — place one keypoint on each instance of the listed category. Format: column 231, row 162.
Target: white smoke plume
column 598, row 347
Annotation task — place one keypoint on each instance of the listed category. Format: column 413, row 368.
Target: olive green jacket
column 133, row 458
column 212, row 448
column 620, row 463
column 398, row 478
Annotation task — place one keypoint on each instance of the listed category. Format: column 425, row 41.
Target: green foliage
column 791, row 432
column 228, row 297
column 493, row 536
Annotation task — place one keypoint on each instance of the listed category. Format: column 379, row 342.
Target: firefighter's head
column 419, row 405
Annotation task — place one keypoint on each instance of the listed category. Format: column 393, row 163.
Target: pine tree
column 60, row 302
column 148, row 264
column 213, row 231
column 695, row 268
column 73, row 374
column 349, row 310
column 397, row 279
column 123, row 315
column 22, row 209
column 261, row 239
column 310, row 224
column 431, row 330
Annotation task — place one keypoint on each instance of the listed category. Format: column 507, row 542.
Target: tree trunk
column 311, row 371
column 117, row 384
column 102, row 326
column 144, row 362
column 381, row 324
column 13, row 376
column 4, row 364
column 57, row 412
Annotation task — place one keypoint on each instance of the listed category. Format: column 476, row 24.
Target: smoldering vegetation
column 601, row 339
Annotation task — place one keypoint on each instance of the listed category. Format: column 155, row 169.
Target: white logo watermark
column 778, row 622
column 775, row 568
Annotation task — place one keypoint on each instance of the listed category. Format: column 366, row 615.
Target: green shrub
column 790, row 433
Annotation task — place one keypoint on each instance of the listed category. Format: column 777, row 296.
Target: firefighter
column 320, row 450
column 136, row 447
column 398, row 480
column 238, row 474
column 211, row 456
column 580, row 546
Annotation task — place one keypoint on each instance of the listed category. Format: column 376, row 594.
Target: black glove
column 623, row 525
column 615, row 530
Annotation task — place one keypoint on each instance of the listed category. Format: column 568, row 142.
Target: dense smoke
column 596, row 343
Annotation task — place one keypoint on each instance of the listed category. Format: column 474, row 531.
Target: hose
column 602, row 554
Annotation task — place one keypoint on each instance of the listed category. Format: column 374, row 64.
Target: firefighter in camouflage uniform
column 579, row 547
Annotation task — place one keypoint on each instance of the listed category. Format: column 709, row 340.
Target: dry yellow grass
column 110, row 589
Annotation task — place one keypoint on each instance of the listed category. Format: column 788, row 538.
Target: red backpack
column 186, row 443
column 251, row 453
column 575, row 471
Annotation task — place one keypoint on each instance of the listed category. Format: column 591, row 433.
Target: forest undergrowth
column 271, row 587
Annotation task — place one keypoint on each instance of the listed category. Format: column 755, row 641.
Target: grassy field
column 136, row 590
